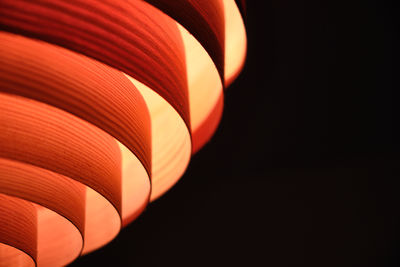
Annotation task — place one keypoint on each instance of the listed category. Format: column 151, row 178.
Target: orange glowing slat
column 38, row 134
column 101, row 115
column 18, row 232
column 89, row 90
column 204, row 19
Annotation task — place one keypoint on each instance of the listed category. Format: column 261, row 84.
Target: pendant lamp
column 102, row 104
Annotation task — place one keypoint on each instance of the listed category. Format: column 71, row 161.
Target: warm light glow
column 171, row 145
column 205, row 87
column 235, row 41
column 100, row 112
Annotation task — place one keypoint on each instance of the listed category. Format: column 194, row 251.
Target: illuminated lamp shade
column 102, row 104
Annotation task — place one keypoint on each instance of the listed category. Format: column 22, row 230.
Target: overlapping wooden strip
column 203, row 19
column 132, row 36
column 49, row 138
column 48, row 189
column 81, row 86
column 90, row 90
column 44, row 136
column 205, row 90
column 18, row 232
column 136, row 38
column 171, row 141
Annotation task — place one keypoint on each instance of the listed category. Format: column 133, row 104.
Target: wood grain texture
column 38, row 134
column 46, row 188
column 102, row 103
column 49, row 138
column 131, row 36
column 204, row 19
column 18, row 229
column 86, row 88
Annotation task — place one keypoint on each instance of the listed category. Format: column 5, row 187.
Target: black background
column 302, row 170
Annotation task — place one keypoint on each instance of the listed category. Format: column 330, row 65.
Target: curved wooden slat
column 79, row 139
column 119, row 33
column 18, row 232
column 204, row 19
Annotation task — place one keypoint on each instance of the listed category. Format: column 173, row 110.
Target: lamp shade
column 102, row 104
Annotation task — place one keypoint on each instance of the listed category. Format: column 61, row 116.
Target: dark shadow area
column 303, row 170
